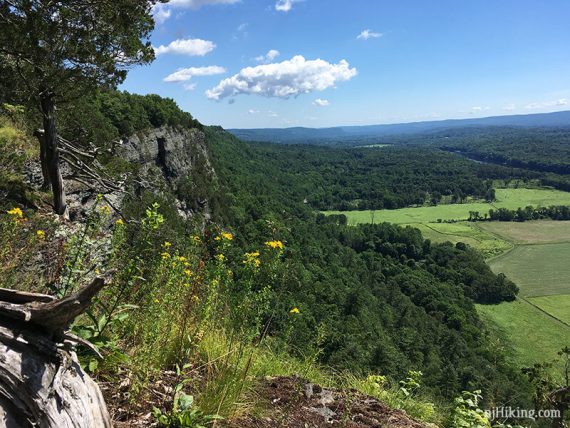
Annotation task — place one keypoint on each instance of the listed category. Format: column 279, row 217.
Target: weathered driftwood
column 41, row 382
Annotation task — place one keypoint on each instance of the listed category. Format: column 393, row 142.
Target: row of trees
column 554, row 212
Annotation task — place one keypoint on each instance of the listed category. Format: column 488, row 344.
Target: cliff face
column 174, row 160
column 166, row 160
column 177, row 153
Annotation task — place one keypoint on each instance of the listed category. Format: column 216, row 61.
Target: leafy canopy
column 65, row 47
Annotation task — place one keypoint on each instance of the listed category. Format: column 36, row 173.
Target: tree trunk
column 39, row 134
column 41, row 382
column 51, row 161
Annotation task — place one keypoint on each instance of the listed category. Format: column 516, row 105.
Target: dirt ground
column 291, row 402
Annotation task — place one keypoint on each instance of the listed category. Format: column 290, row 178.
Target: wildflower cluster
column 275, row 244
column 252, row 259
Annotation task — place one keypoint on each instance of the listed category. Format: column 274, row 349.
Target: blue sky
column 317, row 63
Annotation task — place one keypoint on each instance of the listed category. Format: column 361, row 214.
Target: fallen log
column 41, row 381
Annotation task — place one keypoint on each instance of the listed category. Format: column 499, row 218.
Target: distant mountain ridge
column 298, row 134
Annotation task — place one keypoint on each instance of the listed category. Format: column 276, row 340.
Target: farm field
column 506, row 198
column 487, row 243
column 533, row 335
column 558, row 306
column 530, row 232
column 539, row 270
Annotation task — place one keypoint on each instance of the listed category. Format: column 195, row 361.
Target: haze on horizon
column 283, row 63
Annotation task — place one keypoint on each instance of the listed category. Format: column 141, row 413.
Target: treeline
column 382, row 178
column 542, row 149
column 372, row 298
column 109, row 115
column 554, row 212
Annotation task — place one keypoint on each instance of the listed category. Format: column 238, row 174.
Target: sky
column 320, row 63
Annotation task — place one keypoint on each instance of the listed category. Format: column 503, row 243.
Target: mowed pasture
column 533, row 335
column 505, row 198
column 558, row 306
column 487, row 243
column 539, row 270
column 530, row 232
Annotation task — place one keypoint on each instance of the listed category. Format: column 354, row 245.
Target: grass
column 530, row 232
column 539, row 270
column 506, row 198
column 488, row 244
column 557, row 306
column 533, row 335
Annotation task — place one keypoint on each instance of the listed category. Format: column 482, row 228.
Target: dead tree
column 41, row 382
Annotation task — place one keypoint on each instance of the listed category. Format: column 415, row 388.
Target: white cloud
column 252, row 111
column 285, row 5
column 192, row 47
column 556, row 103
column 478, row 108
column 268, row 57
column 321, row 103
column 285, row 79
column 509, row 107
column 161, row 14
column 163, row 11
column 185, row 74
column 189, row 86
column 368, row 34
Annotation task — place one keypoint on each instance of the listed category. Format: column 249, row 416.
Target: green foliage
column 466, row 412
column 387, row 300
column 61, row 49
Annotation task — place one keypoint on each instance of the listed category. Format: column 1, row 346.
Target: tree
column 58, row 51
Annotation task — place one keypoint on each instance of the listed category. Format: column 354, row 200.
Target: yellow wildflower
column 252, row 259
column 196, row 238
column 188, row 272
column 119, row 222
column 167, row 244
column 295, row 311
column 220, row 257
column 228, row 236
column 156, row 301
column 106, row 209
column 275, row 244
column 181, row 258
column 218, row 238
column 165, row 256
column 16, row 212
column 40, row 234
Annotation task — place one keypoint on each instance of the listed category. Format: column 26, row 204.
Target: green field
column 533, row 335
column 539, row 270
column 506, row 198
column 530, row 232
column 558, row 306
column 487, row 243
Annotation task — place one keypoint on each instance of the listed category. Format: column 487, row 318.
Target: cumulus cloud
column 284, row 5
column 285, row 79
column 192, row 47
column 185, row 74
column 163, row 11
column 368, row 34
column 321, row 103
column 509, row 107
column 556, row 103
column 268, row 57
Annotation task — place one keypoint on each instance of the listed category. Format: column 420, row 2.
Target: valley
column 533, row 254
